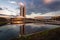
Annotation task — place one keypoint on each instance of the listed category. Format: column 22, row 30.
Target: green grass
column 53, row 34
column 3, row 23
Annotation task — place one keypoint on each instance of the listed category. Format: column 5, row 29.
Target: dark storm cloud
column 55, row 6
column 1, row 9
column 35, row 6
column 38, row 6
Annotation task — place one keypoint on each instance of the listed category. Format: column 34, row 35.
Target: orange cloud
column 48, row 1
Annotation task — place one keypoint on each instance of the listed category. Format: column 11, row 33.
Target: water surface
column 11, row 31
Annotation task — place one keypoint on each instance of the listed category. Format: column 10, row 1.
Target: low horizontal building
column 17, row 20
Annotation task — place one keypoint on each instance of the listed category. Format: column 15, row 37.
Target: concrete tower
column 22, row 10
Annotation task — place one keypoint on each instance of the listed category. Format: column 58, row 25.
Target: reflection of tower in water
column 22, row 29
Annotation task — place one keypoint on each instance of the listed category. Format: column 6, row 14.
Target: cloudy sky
column 34, row 7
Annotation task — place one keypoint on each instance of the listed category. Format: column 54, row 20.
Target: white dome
column 19, row 17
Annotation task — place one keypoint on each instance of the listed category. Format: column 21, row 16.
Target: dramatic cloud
column 38, row 6
column 54, row 6
column 32, row 15
column 1, row 9
column 48, row 1
column 34, row 7
column 7, row 10
column 13, row 2
column 56, row 13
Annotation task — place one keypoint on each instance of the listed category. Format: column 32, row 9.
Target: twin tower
column 22, row 10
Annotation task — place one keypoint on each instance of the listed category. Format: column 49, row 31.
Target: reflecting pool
column 14, row 30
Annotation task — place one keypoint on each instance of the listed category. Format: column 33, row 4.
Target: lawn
column 3, row 21
column 53, row 34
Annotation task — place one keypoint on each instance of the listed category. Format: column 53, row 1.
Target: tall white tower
column 22, row 10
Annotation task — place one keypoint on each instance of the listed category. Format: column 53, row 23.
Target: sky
column 34, row 7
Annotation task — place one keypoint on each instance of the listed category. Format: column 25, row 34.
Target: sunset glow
column 48, row 1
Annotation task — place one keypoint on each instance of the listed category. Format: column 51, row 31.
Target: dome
column 19, row 17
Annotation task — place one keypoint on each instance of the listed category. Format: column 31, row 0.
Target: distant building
column 43, row 17
column 7, row 17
